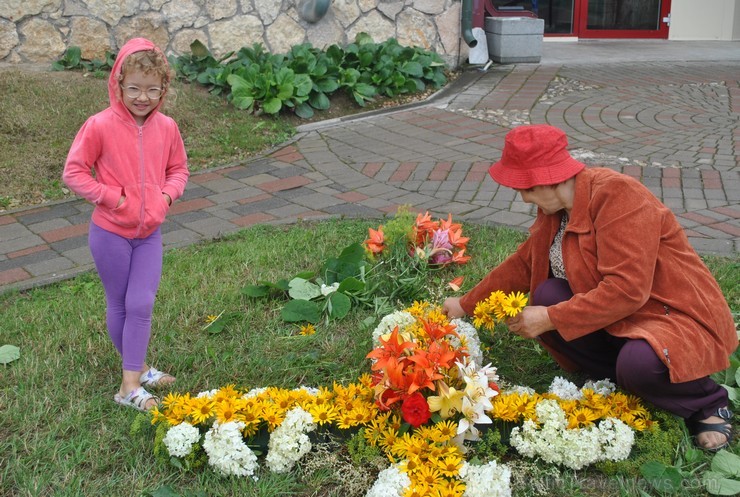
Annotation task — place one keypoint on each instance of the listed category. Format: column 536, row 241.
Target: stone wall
column 41, row 30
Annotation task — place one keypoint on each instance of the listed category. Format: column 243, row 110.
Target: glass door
column 622, row 18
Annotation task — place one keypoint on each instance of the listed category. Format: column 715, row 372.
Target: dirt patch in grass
column 42, row 110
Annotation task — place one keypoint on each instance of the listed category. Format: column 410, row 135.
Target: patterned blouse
column 556, row 250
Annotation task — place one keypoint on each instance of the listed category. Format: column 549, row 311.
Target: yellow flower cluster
column 516, row 408
column 427, row 455
column 343, row 406
column 497, row 307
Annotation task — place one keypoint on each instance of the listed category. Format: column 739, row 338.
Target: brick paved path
column 673, row 125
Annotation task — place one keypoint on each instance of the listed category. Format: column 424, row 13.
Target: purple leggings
column 633, row 364
column 130, row 271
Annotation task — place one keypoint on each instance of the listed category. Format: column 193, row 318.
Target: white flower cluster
column 565, row 389
column 472, row 341
column 289, row 442
column 601, row 387
column 180, row 438
column 554, row 443
column 227, row 451
column 391, row 482
column 386, row 325
column 487, row 480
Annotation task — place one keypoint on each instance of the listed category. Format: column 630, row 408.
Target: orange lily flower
column 376, row 242
column 449, row 225
column 456, row 283
column 460, row 257
column 390, row 351
column 456, row 238
column 436, row 331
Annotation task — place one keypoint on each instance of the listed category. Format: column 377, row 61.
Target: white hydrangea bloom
column 488, row 480
column 180, row 438
column 254, row 392
column 386, row 325
column 289, row 442
column 520, row 389
column 616, row 439
column 467, row 330
column 601, row 387
column 565, row 389
column 207, row 393
column 226, row 450
column 391, row 482
column 554, row 443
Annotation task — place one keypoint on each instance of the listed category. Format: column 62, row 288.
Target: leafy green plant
column 730, row 379
column 312, row 296
column 723, row 478
column 72, row 59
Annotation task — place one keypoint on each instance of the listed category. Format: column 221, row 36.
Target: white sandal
column 152, row 378
column 137, row 399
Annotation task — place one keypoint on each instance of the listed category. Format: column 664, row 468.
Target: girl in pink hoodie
column 129, row 161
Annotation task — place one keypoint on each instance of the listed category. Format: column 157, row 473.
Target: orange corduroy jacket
column 633, row 273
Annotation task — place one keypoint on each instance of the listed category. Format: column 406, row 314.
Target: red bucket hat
column 535, row 155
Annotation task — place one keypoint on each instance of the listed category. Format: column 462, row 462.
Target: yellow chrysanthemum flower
column 514, row 303
column 504, row 408
column 580, row 417
column 444, row 431
column 201, row 409
column 417, row 490
column 273, row 416
column 323, row 414
column 227, row 411
column 450, row 465
column 453, row 488
column 429, row 476
column 227, row 392
column 307, row 330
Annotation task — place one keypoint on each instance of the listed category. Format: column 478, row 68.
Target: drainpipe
column 313, row 10
column 466, row 23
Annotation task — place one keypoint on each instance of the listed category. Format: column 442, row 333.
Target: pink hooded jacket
column 140, row 162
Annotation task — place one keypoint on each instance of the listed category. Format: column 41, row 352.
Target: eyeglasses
column 134, row 92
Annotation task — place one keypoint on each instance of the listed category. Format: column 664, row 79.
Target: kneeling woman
column 616, row 289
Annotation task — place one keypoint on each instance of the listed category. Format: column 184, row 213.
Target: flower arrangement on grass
column 572, row 427
column 425, row 397
column 405, row 251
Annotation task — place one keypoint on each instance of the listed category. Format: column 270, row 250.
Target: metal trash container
column 514, row 39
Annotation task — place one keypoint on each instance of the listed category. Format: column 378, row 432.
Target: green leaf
column 272, row 105
column 350, row 285
column 413, row 68
column 302, row 84
column 9, row 353
column 296, row 311
column 352, row 253
column 302, row 289
column 726, row 463
column 256, row 290
column 304, row 111
column 718, row 484
column 319, row 101
column 198, row 49
column 338, row 305
column 663, row 478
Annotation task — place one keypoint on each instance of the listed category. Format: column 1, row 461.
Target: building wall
column 705, row 20
column 41, row 30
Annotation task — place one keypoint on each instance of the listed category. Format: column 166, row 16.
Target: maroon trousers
column 632, row 364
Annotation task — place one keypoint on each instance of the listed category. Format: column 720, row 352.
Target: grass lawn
column 61, row 433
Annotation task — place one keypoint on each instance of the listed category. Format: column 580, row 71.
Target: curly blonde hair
column 147, row 62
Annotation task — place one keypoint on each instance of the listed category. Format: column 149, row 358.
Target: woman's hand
column 531, row 322
column 452, row 308
column 167, row 198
